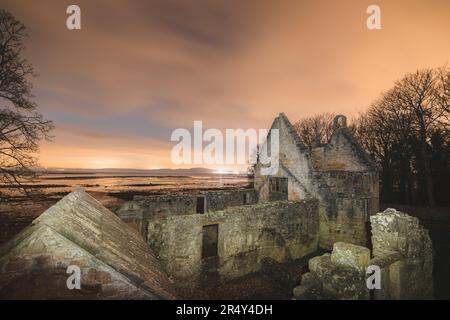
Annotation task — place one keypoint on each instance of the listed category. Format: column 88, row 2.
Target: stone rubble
column 401, row 249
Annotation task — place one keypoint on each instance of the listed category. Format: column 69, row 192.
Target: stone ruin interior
column 319, row 213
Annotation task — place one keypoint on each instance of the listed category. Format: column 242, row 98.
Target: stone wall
column 138, row 212
column 341, row 153
column 339, row 174
column 349, row 190
column 294, row 164
column 221, row 200
column 281, row 230
column 349, row 198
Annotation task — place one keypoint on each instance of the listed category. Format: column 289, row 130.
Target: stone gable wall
column 293, row 164
column 339, row 174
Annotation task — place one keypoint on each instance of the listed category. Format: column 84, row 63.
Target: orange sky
column 139, row 69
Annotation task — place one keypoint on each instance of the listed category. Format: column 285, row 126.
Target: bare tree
column 384, row 131
column 21, row 127
column 424, row 94
column 398, row 130
column 315, row 130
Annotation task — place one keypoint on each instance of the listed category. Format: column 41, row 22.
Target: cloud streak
column 139, row 69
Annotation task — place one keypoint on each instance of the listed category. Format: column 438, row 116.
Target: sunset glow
column 138, row 70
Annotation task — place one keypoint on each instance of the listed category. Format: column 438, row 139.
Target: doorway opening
column 246, row 198
column 200, row 205
column 210, row 242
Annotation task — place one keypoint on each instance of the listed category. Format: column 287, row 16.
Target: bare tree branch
column 21, row 127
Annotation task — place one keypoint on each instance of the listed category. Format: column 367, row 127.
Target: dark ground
column 275, row 281
column 440, row 235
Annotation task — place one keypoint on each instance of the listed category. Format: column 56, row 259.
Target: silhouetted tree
column 406, row 130
column 398, row 131
column 421, row 93
column 315, row 130
column 21, row 127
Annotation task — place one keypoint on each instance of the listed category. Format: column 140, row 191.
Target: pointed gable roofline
column 291, row 129
column 340, row 128
column 88, row 225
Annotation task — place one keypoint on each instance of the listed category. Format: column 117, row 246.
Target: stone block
column 403, row 246
column 309, row 280
column 344, row 283
column 350, row 255
column 317, row 264
column 300, row 292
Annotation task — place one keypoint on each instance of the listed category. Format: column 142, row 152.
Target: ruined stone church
column 319, row 200
column 339, row 174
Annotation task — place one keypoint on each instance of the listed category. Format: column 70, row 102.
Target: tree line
column 406, row 131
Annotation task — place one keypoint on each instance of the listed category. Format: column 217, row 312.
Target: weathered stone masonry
column 114, row 261
column 339, row 174
column 282, row 230
column 142, row 209
column 401, row 249
column 322, row 198
column 318, row 199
